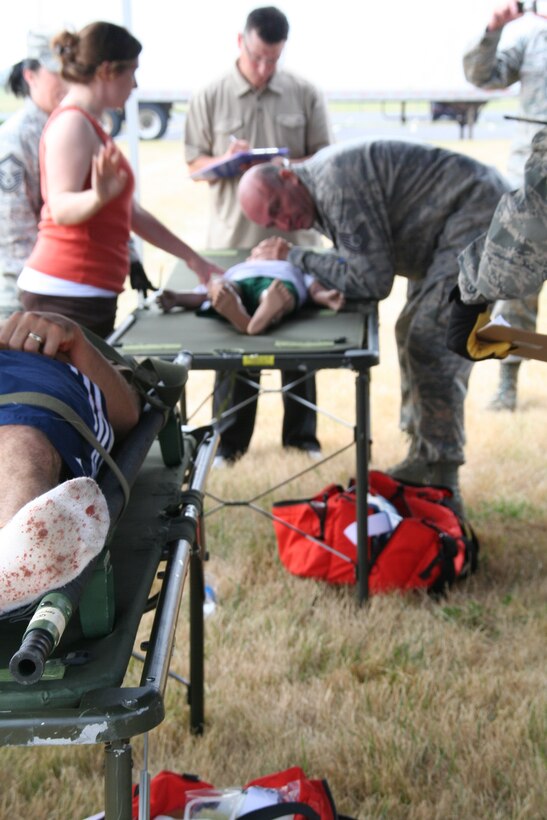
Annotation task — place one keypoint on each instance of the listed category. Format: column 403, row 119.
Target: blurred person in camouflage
column 507, row 262
column 37, row 79
column 488, row 66
column 391, row 208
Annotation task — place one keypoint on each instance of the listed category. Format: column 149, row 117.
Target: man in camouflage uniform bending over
column 508, row 262
column 390, row 208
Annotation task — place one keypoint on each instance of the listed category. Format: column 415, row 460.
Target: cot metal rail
column 112, row 715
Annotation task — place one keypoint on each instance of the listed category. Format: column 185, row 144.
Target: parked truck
column 155, row 108
column 153, row 120
column 461, row 107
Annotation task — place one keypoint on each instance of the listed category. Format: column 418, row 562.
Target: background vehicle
column 415, row 61
column 153, row 120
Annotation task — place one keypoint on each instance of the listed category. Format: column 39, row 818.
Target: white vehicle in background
column 352, row 55
column 153, row 119
column 457, row 105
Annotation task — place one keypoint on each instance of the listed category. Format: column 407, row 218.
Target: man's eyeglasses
column 258, row 60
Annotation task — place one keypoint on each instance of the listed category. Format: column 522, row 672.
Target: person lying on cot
column 53, row 517
column 255, row 295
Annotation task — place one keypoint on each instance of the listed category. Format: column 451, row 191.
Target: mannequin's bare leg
column 227, row 302
column 275, row 303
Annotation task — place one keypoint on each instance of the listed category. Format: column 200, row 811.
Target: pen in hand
column 237, row 144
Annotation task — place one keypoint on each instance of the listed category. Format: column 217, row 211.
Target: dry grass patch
column 412, row 708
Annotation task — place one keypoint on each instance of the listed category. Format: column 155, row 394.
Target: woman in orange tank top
column 81, row 259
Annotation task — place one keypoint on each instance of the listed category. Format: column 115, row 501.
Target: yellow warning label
column 258, row 360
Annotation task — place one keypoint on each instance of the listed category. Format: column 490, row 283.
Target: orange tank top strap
column 99, row 130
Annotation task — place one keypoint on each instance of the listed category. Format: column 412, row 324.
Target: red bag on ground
column 169, row 794
column 424, row 544
column 314, row 793
column 324, row 517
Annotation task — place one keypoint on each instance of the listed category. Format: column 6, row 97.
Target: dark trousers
column 97, row 313
column 236, row 429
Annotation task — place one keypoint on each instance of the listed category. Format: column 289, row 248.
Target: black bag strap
column 281, row 810
column 65, row 411
column 158, row 381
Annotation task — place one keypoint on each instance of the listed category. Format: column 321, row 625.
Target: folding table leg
column 196, row 689
column 117, row 780
column 362, row 439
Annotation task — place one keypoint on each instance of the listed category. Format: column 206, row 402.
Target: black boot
column 445, row 474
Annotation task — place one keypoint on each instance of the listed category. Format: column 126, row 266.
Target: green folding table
column 310, row 340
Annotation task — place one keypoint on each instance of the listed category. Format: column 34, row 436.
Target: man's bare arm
column 60, row 338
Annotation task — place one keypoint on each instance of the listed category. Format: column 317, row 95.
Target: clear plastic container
column 229, row 804
column 212, row 804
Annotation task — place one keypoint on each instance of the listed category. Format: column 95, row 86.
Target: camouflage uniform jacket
column 20, row 199
column 526, row 60
column 385, row 205
column 509, row 261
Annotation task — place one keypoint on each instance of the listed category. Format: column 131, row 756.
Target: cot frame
column 113, row 714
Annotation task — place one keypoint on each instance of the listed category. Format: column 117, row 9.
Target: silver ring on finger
column 36, row 337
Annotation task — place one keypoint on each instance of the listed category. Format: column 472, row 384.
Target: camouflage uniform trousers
column 433, row 380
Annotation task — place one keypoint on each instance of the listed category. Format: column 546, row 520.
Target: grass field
column 410, row 708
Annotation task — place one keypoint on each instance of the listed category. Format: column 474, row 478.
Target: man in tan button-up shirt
column 255, row 105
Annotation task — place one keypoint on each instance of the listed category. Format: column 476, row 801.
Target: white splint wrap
column 50, row 541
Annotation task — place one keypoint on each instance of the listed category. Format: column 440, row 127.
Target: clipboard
column 238, row 163
column 524, row 343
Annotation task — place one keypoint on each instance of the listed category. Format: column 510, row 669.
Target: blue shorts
column 33, row 372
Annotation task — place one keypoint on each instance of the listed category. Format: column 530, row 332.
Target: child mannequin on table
column 255, row 295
